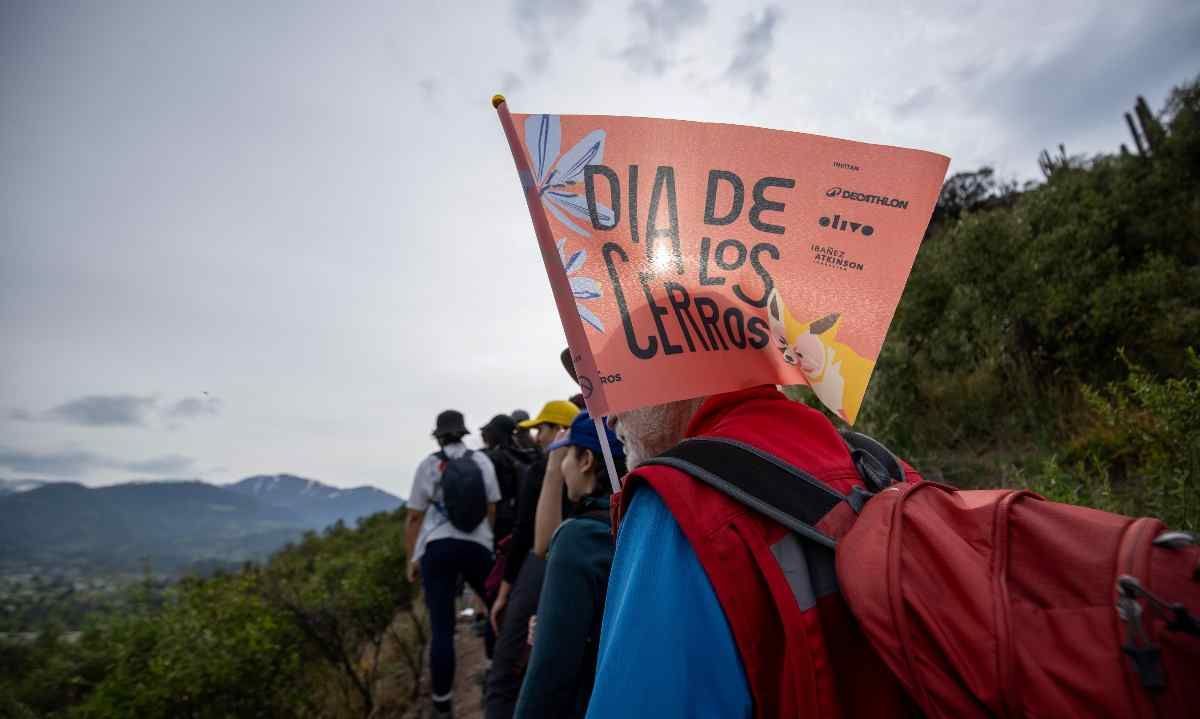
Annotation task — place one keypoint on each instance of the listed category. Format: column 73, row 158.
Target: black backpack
column 511, row 464
column 464, row 497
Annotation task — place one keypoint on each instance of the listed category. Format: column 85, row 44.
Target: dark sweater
column 562, row 668
column 527, row 501
column 509, row 462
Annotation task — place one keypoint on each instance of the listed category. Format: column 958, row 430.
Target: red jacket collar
column 715, row 408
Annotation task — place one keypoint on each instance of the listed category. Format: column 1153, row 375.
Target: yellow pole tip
column 497, row 100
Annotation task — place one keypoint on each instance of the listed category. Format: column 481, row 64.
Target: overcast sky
column 241, row 238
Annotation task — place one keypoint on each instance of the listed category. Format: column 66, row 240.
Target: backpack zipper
column 1145, row 655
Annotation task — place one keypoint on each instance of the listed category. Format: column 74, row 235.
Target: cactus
column 1051, row 164
column 1137, row 139
column 1151, row 129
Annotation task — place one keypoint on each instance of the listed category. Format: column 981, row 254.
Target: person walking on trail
column 510, row 462
column 517, row 598
column 714, row 609
column 558, row 682
column 449, row 536
column 523, row 438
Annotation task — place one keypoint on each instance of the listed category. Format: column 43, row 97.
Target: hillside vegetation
column 316, row 631
column 1047, row 337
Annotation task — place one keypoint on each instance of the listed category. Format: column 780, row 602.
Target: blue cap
column 583, row 434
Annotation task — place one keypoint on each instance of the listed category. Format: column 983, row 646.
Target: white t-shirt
column 427, row 493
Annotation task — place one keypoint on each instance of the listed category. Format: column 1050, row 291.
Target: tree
column 342, row 591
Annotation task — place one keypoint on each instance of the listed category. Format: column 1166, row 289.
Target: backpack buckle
column 857, row 499
column 876, row 464
column 871, row 470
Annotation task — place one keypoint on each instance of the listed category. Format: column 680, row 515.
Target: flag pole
column 563, row 299
column 601, row 430
column 558, row 283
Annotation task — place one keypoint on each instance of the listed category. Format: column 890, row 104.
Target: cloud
column 662, row 25
column 78, row 463
column 166, row 464
column 55, row 464
column 1076, row 88
column 510, row 82
column 754, row 46
column 916, row 101
column 193, row 407
column 428, row 88
column 115, row 410
column 121, row 410
column 542, row 25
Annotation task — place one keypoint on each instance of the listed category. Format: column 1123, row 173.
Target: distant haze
column 239, row 239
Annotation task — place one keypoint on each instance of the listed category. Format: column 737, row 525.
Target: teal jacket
column 562, row 668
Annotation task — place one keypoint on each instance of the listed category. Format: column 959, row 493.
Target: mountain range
column 170, row 524
column 319, row 504
column 12, row 486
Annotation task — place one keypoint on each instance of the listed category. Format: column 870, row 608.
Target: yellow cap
column 556, row 411
column 497, row 99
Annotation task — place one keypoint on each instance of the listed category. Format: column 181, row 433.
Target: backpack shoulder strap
column 759, row 480
column 447, row 459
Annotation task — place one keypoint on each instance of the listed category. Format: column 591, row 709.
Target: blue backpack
column 464, row 497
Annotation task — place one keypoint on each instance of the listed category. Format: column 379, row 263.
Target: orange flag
column 692, row 258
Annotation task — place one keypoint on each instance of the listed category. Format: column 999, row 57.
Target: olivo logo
column 838, row 223
column 869, row 199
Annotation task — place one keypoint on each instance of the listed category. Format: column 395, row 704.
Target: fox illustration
column 836, row 373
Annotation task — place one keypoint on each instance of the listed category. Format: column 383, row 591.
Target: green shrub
column 1015, row 304
column 1002, row 366
column 1138, row 453
column 219, row 650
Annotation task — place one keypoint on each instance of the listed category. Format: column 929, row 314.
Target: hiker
column 558, row 682
column 517, row 597
column 522, row 437
column 714, row 609
column 451, row 510
column 510, row 463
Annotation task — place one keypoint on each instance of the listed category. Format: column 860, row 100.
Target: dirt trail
column 472, row 663
column 468, row 692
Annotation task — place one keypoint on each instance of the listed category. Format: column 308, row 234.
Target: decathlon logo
column 843, row 225
column 869, row 199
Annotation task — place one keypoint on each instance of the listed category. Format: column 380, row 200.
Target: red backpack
column 981, row 603
column 999, row 603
